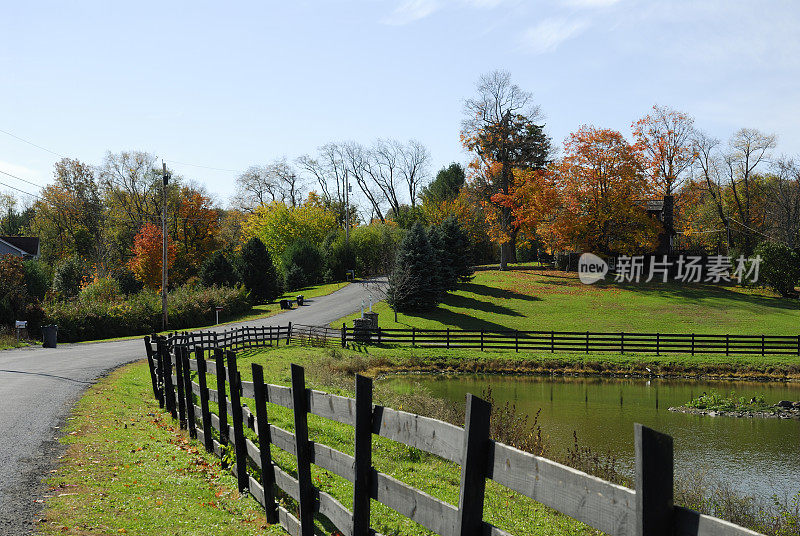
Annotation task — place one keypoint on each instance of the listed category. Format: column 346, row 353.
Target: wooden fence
column 578, row 341
column 608, row 507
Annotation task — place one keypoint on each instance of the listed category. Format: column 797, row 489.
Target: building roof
column 27, row 244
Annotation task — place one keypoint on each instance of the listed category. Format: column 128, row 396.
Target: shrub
column 13, row 294
column 254, row 268
column 128, row 284
column 413, row 284
column 68, row 276
column 339, row 257
column 217, row 270
column 88, row 319
column 302, row 265
column 38, row 278
column 780, row 267
column 375, row 248
column 104, row 288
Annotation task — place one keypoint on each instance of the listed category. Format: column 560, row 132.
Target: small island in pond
column 714, row 404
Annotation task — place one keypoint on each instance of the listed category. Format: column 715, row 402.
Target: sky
column 215, row 87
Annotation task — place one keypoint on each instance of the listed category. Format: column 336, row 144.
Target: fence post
column 798, row 345
column 762, row 345
column 264, row 439
column 473, row 467
column 654, row 481
column 481, row 340
column 179, row 384
column 344, row 335
column 168, row 387
column 727, row 345
column 221, row 397
column 587, row 342
column 208, row 439
column 159, row 364
column 552, row 342
column 622, row 342
column 235, row 384
column 516, row 340
column 692, row 343
column 658, row 344
column 300, row 405
column 289, row 334
column 363, row 456
column 148, row 348
column 413, row 336
column 187, row 390
column 379, row 336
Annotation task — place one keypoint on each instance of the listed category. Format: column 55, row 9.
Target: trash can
column 49, row 336
column 299, row 300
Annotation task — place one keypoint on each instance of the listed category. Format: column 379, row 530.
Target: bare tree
column 747, row 150
column 360, row 166
column 329, row 170
column 709, row 164
column 784, row 201
column 260, row 185
column 413, row 168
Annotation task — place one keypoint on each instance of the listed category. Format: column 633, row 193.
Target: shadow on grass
column 460, row 320
column 493, row 292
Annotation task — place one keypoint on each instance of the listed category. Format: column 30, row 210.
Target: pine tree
column 453, row 252
column 412, row 284
column 255, row 269
column 217, row 270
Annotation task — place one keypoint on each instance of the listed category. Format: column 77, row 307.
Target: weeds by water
column 718, row 402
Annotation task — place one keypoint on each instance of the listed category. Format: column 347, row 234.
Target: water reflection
column 756, row 456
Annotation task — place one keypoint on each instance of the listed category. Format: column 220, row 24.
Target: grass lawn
column 10, row 341
column 533, row 299
column 148, row 479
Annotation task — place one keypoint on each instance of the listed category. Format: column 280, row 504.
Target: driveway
column 38, row 387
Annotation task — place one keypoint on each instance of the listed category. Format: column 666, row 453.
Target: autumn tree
column 602, row 187
column 197, row 232
column 501, row 130
column 664, row 137
column 147, row 255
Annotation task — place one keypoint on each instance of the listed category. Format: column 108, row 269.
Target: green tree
column 413, row 284
column 780, row 267
column 38, row 278
column 445, row 186
column 68, row 276
column 256, row 270
column 451, row 245
column 217, row 270
column 339, row 257
column 302, row 265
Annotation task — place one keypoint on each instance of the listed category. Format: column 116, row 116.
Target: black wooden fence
column 578, row 341
column 610, row 508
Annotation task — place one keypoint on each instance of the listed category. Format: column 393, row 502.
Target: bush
column 38, row 278
column 413, row 284
column 217, row 270
column 89, row 319
column 68, row 276
column 302, row 265
column 339, row 258
column 128, row 284
column 104, row 288
column 254, row 268
column 375, row 248
column 780, row 267
column 13, row 294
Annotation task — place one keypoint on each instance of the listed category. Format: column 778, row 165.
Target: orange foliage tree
column 602, row 189
column 197, row 232
column 147, row 250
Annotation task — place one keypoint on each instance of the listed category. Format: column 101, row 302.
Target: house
column 26, row 247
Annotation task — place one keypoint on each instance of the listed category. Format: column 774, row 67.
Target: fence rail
column 608, row 507
column 578, row 341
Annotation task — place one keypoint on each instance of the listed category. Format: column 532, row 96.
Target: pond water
column 756, row 456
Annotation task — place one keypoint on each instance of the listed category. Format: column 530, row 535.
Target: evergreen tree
column 445, row 277
column 217, row 270
column 456, row 251
column 255, row 269
column 413, row 282
column 302, row 265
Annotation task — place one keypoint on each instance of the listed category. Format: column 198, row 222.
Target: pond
column 758, row 457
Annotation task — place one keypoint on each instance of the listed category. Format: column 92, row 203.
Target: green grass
column 148, row 479
column 532, row 299
column 128, row 470
column 719, row 402
column 10, row 341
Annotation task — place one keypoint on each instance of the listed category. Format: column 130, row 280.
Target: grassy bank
column 532, row 299
column 129, row 470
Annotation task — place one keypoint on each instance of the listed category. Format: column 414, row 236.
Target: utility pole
column 165, row 177
column 346, row 209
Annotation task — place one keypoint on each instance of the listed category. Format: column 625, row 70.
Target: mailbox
column 21, row 324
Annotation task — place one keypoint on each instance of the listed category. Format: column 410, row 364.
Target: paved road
column 38, row 386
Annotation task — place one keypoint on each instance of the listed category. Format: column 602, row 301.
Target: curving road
column 38, row 386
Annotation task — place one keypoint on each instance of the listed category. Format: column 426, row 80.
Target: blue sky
column 228, row 85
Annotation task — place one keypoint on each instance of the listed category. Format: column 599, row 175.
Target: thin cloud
column 590, row 3
column 411, row 11
column 550, row 33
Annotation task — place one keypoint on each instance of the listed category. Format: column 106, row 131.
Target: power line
column 21, row 191
column 31, row 143
column 21, row 179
